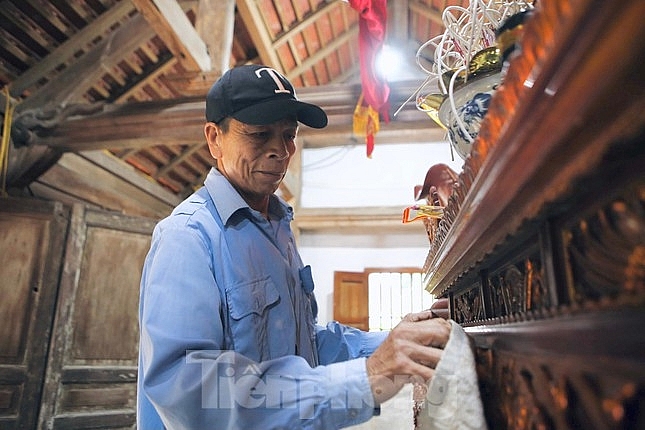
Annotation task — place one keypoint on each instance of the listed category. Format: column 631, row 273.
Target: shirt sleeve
column 337, row 342
column 187, row 379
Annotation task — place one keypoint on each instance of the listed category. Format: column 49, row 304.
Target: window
column 392, row 295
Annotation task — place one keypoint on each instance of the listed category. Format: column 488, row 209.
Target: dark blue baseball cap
column 259, row 95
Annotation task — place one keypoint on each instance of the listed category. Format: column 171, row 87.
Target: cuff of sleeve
column 371, row 341
column 349, row 392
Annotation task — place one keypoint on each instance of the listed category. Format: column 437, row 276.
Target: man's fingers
column 440, row 304
column 434, row 332
column 418, row 316
column 440, row 309
column 441, row 313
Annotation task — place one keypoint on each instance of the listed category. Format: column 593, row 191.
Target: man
column 227, row 311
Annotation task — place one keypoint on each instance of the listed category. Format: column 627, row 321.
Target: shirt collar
column 228, row 201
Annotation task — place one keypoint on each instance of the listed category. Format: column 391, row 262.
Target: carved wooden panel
column 91, row 375
column 605, row 250
column 542, row 246
column 32, row 235
column 569, row 372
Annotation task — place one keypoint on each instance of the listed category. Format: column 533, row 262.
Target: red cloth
column 371, row 34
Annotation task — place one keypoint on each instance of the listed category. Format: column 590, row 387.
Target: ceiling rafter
column 300, row 26
column 217, row 14
column 105, row 51
column 171, row 24
column 324, row 52
column 417, row 6
column 178, row 160
column 259, row 33
column 76, row 79
column 147, row 124
column 80, row 42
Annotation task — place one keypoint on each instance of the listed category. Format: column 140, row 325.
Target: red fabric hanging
column 371, row 34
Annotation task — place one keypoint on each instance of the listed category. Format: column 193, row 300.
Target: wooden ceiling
column 108, row 94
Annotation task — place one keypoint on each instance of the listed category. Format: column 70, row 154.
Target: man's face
column 254, row 158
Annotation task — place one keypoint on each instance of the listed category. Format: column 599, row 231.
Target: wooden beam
column 398, row 21
column 300, row 26
column 178, row 160
column 321, row 218
column 324, row 52
column 75, row 80
column 79, row 42
column 259, row 33
column 171, row 24
column 119, row 168
column 215, row 23
column 93, row 184
column 145, row 124
column 421, row 8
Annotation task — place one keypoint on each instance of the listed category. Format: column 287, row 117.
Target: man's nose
column 279, row 148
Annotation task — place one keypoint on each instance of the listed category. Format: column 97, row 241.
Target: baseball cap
column 259, row 95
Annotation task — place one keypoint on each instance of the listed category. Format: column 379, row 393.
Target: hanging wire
column 330, row 159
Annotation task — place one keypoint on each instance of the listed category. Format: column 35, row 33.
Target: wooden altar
column 542, row 246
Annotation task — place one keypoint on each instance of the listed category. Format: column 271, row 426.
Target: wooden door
column 351, row 304
column 32, row 236
column 91, row 374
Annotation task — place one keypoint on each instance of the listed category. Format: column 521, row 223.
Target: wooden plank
column 129, row 174
column 252, row 17
column 91, row 375
column 100, row 187
column 324, row 52
column 304, row 23
column 320, row 218
column 220, row 15
column 145, row 124
column 171, row 24
column 419, row 7
column 75, row 80
column 34, row 232
column 81, row 41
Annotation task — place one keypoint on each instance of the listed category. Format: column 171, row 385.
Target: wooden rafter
column 422, row 9
column 80, row 42
column 171, row 24
column 324, row 52
column 76, row 79
column 146, row 124
column 254, row 21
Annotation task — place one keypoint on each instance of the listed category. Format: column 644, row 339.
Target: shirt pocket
column 249, row 304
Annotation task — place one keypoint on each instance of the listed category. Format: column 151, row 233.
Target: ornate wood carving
column 605, row 251
column 542, row 246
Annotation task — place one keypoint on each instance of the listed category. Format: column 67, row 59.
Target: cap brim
column 271, row 111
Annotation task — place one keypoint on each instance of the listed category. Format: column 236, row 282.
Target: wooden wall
column 70, row 282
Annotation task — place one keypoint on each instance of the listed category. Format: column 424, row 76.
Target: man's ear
column 212, row 132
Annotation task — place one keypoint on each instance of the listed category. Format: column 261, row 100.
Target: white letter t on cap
column 274, row 75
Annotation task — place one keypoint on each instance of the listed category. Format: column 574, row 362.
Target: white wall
column 324, row 261
column 345, row 177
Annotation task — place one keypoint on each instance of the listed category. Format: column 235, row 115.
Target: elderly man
column 229, row 338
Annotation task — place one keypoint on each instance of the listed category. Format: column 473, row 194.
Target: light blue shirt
column 228, row 332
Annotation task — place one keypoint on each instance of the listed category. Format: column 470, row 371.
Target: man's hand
column 440, row 308
column 409, row 354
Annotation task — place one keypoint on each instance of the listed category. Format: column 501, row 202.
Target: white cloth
column 452, row 400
